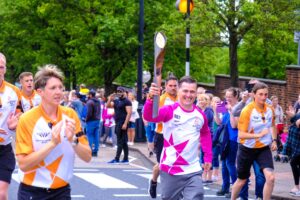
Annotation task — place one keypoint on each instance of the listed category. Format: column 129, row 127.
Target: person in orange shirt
column 47, row 139
column 257, row 137
column 9, row 114
column 29, row 97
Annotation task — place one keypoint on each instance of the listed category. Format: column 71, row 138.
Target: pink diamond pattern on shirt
column 179, row 148
column 168, row 143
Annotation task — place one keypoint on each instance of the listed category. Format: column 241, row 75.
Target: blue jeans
column 259, row 180
column 259, row 183
column 92, row 132
column 216, row 156
column 229, row 167
column 149, row 129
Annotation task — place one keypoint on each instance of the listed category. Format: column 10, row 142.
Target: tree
column 236, row 18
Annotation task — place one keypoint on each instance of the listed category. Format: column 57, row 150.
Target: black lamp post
column 297, row 40
column 139, row 129
column 186, row 6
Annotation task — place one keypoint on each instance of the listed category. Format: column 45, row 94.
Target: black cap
column 120, row 88
column 92, row 92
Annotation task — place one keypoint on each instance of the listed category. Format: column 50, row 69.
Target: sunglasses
column 119, row 91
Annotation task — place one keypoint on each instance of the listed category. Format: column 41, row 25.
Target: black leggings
column 295, row 165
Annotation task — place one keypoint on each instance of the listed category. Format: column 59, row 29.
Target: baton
column 160, row 41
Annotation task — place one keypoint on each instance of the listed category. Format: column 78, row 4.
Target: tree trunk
column 233, row 59
column 108, row 86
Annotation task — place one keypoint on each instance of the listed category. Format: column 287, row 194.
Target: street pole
column 187, row 39
column 299, row 51
column 139, row 129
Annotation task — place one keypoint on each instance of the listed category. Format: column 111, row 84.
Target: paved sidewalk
column 283, row 175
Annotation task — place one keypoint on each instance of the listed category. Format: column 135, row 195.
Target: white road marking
column 85, row 170
column 77, row 196
column 104, row 181
column 16, row 177
column 133, row 195
column 138, row 166
column 137, row 170
column 148, row 176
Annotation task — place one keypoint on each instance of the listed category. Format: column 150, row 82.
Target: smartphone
column 249, row 87
column 221, row 107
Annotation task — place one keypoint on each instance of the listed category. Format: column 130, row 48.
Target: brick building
column 287, row 90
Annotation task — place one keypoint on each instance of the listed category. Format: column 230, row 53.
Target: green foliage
column 96, row 42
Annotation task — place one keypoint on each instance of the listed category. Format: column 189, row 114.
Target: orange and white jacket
column 33, row 132
column 29, row 102
column 9, row 103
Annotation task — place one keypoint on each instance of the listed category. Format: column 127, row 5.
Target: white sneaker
column 130, row 143
column 295, row 192
column 103, row 145
column 214, row 178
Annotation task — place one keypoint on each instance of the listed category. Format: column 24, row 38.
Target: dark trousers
column 122, row 140
column 27, row 192
column 295, row 165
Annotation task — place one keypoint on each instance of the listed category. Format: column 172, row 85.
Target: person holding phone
column 229, row 160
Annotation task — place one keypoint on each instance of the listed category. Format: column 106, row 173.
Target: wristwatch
column 75, row 138
column 75, row 141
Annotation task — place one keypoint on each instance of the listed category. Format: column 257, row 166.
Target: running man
column 184, row 128
column 168, row 98
column 29, row 97
column 9, row 102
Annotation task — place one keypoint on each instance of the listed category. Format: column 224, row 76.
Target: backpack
column 83, row 112
column 221, row 138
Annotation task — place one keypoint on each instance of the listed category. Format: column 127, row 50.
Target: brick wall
column 287, row 90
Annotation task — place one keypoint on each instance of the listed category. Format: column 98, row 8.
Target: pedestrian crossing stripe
column 104, row 181
column 15, row 177
column 148, row 176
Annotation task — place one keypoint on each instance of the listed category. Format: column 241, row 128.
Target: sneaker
column 124, row 162
column 152, row 188
column 297, row 194
column 130, row 143
column 294, row 191
column 94, row 154
column 114, row 161
column 151, row 154
column 207, row 182
column 215, row 178
column 228, row 195
column 258, row 198
column 221, row 193
column 103, row 145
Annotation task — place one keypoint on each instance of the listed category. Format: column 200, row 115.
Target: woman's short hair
column 45, row 73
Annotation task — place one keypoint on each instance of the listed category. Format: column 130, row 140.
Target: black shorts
column 246, row 156
column 158, row 145
column 7, row 162
column 36, row 193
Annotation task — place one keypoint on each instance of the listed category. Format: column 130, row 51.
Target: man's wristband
column 274, row 140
